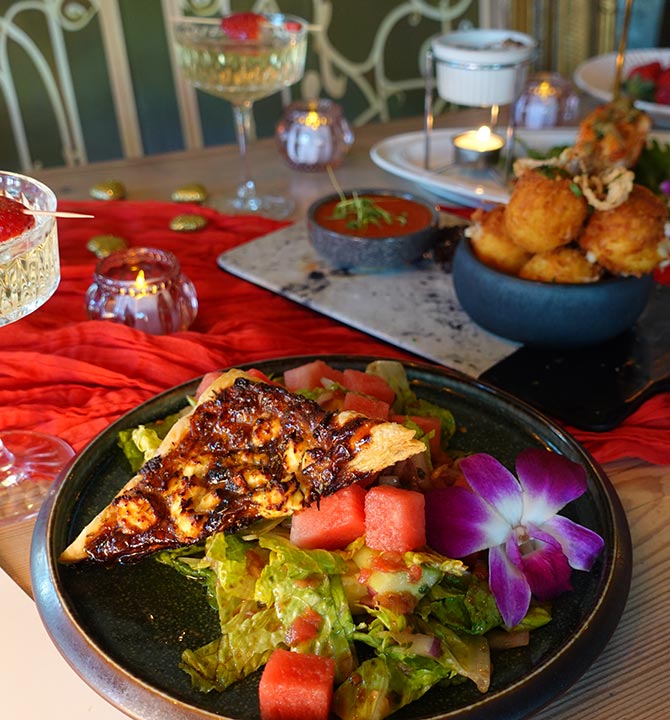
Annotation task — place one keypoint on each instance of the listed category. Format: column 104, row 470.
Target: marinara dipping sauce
column 406, row 217
column 372, row 230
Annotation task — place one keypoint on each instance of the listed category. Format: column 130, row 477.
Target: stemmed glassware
column 29, row 275
column 223, row 59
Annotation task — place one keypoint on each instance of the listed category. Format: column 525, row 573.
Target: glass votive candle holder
column 313, row 134
column 143, row 288
column 548, row 100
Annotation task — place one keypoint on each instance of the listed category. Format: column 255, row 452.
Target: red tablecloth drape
column 64, row 374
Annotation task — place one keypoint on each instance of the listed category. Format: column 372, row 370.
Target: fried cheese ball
column 491, row 243
column 612, row 135
column 544, row 210
column 630, row 238
column 566, row 264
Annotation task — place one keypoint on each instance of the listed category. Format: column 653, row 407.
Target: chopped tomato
column 304, row 628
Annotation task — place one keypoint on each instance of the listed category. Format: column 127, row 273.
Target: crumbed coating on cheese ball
column 629, row 239
column 491, row 243
column 545, row 210
column 566, row 264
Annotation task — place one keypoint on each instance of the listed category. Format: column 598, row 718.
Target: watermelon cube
column 296, row 686
column 311, row 375
column 337, row 521
column 368, row 406
column 373, row 385
column 394, row 519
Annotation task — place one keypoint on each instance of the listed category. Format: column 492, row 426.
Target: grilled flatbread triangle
column 248, row 450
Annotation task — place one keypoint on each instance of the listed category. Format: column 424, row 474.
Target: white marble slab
column 414, row 309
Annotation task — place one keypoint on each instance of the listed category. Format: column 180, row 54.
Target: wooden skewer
column 622, row 50
column 56, row 213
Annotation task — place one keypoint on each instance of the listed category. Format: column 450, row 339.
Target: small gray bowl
column 368, row 254
column 547, row 314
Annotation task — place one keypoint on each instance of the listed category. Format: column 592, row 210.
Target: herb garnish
column 362, row 210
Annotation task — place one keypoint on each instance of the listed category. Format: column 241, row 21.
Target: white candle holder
column 478, row 68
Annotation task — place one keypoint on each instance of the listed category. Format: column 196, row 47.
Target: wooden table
column 156, row 177
column 630, row 679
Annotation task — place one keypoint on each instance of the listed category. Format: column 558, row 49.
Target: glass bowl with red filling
column 371, row 230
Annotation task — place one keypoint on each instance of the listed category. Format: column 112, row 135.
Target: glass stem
column 8, row 472
column 242, row 115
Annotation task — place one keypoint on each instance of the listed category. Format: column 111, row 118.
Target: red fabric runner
column 64, row 374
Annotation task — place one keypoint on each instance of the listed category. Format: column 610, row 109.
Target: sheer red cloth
column 64, row 374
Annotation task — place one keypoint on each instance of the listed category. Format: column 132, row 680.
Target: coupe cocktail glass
column 29, row 275
column 243, row 71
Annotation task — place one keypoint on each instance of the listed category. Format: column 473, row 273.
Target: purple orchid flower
column 531, row 548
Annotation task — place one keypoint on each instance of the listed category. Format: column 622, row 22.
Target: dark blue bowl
column 547, row 314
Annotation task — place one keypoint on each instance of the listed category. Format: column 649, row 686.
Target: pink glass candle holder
column 313, row 134
column 548, row 100
column 143, row 288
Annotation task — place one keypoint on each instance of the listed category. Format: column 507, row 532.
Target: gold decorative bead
column 103, row 245
column 193, row 193
column 108, row 190
column 187, row 223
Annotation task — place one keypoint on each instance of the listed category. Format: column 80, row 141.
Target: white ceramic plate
column 596, row 77
column 403, row 155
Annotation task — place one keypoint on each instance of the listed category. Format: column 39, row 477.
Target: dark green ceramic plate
column 123, row 628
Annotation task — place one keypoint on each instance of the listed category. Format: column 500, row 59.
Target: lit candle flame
column 545, row 89
column 140, row 281
column 313, row 120
column 483, row 134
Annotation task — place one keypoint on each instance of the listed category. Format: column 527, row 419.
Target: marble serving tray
column 414, row 308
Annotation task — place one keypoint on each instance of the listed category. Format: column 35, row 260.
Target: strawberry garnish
column 13, row 221
column 243, row 26
column 662, row 91
column 292, row 25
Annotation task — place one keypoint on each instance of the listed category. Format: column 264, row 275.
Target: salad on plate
column 405, row 579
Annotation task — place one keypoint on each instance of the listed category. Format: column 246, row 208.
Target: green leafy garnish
column 361, row 210
column 364, row 211
column 653, row 166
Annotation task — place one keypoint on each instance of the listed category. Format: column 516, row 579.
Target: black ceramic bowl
column 547, row 314
column 353, row 250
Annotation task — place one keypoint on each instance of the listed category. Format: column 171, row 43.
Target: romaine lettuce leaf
column 303, row 585
column 464, row 604
column 406, row 402
column 140, row 444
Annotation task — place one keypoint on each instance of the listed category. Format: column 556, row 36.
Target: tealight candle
column 143, row 288
column 478, row 147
